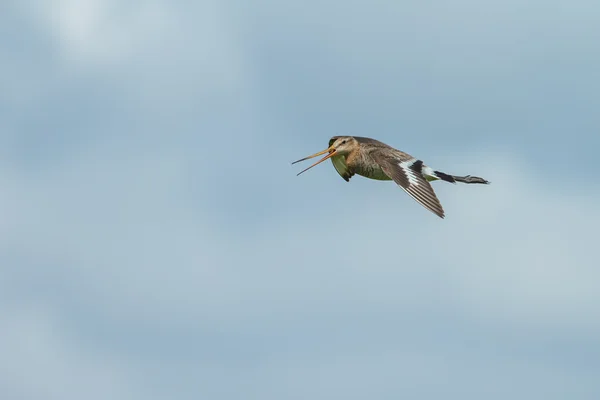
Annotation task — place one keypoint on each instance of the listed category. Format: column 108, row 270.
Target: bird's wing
column 339, row 163
column 406, row 171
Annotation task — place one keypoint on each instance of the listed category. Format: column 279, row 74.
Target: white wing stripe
column 410, row 173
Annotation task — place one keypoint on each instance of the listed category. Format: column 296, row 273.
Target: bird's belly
column 372, row 172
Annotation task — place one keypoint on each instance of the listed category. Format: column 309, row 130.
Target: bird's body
column 362, row 159
column 373, row 159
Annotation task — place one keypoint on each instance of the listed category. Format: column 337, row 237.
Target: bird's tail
column 462, row 179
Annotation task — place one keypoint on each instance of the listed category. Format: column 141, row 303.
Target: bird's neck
column 352, row 157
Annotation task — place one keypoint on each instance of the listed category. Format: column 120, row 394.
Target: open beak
column 331, row 152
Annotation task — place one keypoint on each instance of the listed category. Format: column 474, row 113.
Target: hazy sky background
column 155, row 242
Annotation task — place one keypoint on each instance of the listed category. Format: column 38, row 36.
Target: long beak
column 329, row 150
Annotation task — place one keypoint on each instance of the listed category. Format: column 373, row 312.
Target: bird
column 373, row 159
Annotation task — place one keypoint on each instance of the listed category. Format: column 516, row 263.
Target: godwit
column 376, row 160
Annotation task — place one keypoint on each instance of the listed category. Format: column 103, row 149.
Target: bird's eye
column 343, row 142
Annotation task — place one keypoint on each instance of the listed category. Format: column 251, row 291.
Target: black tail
column 463, row 179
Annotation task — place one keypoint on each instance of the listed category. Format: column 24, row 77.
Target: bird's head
column 342, row 145
column 338, row 146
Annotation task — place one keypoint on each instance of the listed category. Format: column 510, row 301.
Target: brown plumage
column 373, row 159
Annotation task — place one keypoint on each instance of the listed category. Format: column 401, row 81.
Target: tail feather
column 445, row 177
column 462, row 179
column 470, row 179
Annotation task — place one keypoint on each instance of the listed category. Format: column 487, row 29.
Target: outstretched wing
column 407, row 173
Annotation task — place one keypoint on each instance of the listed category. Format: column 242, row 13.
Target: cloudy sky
column 155, row 242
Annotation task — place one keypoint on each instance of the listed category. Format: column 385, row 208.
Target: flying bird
column 376, row 160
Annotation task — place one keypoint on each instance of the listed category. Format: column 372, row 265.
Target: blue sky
column 155, row 242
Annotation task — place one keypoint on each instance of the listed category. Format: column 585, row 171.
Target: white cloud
column 157, row 36
column 148, row 51
column 104, row 32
